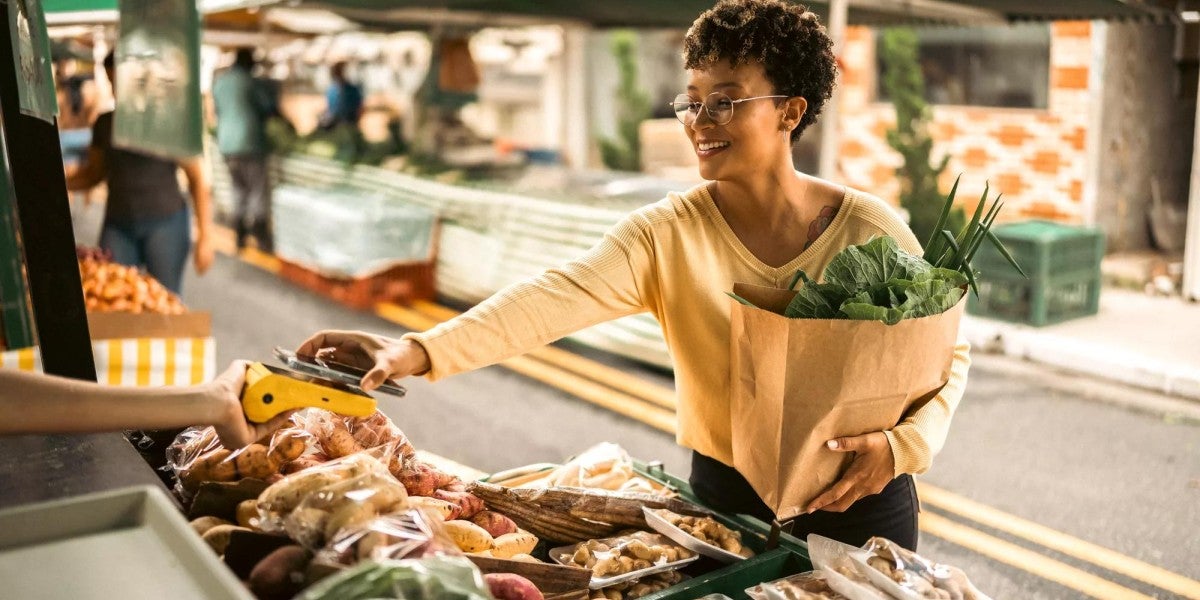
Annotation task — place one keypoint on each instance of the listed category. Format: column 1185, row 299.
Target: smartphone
column 334, row 370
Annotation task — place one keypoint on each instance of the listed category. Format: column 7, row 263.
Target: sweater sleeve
column 920, row 436
column 613, row 279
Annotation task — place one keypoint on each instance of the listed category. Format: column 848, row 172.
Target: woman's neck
column 776, row 196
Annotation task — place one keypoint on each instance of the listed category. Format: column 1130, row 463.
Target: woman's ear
column 793, row 110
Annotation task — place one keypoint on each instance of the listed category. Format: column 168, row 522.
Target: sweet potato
column 338, row 442
column 441, row 508
column 468, row 536
column 512, row 544
column 203, row 524
column 253, row 461
column 288, row 446
column 247, row 513
column 217, row 538
column 280, row 575
column 510, row 586
column 494, row 523
column 469, row 503
column 218, row 466
column 419, row 479
column 300, row 464
column 347, row 516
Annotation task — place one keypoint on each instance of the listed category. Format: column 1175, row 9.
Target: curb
column 1109, row 361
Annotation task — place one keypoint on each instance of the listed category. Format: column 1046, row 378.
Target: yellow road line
column 614, row 378
column 1026, row 560
column 571, row 383
column 1061, row 542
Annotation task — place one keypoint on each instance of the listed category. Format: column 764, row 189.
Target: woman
column 759, row 72
column 146, row 221
column 36, row 403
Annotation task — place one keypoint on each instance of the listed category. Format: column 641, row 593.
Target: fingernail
column 832, row 444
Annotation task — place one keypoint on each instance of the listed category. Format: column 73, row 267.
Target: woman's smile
column 709, row 148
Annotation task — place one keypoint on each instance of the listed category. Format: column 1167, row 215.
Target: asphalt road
column 1068, row 454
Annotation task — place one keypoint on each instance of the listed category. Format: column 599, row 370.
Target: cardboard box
column 115, row 326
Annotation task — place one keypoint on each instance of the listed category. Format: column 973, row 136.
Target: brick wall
column 1037, row 158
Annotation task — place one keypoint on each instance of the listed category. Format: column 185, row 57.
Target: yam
column 468, row 536
column 203, row 524
column 288, row 446
column 217, row 537
column 253, row 461
column 300, row 464
column 469, row 503
column 512, row 544
column 347, row 516
column 247, row 513
column 510, row 586
column 339, row 443
column 219, row 466
column 495, row 523
column 441, row 508
column 419, row 479
column 281, row 574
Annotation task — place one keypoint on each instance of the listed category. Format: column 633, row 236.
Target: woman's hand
column 383, row 358
column 871, row 470
column 203, row 254
column 225, row 395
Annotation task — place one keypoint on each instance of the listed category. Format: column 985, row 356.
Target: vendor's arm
column 614, row 279
column 36, row 403
column 201, row 194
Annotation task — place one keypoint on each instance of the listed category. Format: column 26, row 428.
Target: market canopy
column 649, row 13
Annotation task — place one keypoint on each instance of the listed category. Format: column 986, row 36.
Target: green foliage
column 905, row 86
column 633, row 106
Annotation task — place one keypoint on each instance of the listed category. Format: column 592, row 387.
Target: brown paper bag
column 798, row 383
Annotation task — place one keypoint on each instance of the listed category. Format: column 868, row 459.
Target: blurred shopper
column 36, row 403
column 146, row 217
column 344, row 100
column 244, row 104
column 759, row 72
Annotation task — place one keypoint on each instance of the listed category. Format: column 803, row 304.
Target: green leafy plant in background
column 905, row 86
column 879, row 281
column 624, row 152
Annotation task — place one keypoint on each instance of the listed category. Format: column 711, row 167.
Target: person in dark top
column 146, row 221
column 344, row 100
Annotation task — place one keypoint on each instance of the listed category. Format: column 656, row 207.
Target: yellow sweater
column 677, row 258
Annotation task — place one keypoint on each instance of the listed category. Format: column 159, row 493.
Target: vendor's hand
column 383, row 358
column 203, row 254
column 871, row 470
column 230, row 421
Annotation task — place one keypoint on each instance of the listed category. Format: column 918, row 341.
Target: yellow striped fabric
column 137, row 362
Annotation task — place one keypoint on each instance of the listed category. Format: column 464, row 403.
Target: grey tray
column 131, row 542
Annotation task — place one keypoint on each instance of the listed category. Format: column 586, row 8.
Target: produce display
column 605, row 466
column 112, row 287
column 805, row 586
column 917, row 576
column 637, row 589
column 614, row 557
column 708, row 531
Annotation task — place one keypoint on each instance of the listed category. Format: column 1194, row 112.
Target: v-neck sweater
column 676, row 259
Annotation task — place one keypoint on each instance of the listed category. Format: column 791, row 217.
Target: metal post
column 577, row 119
column 838, row 14
column 1191, row 257
column 40, row 190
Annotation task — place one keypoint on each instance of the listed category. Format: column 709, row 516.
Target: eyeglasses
column 718, row 106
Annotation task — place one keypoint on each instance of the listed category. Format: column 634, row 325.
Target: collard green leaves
column 877, row 281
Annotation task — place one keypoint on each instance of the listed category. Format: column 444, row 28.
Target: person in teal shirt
column 243, row 104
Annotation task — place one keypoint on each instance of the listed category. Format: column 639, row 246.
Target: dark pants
column 160, row 244
column 252, row 199
column 891, row 513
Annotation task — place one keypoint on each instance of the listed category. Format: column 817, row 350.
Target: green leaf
column 800, row 274
column 875, row 262
column 933, row 244
column 1004, row 252
column 974, row 224
column 810, row 303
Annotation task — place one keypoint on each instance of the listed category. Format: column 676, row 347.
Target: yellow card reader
column 334, row 387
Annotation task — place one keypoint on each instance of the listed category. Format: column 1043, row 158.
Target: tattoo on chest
column 820, row 224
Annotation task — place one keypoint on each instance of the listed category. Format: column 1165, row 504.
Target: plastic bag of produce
column 604, row 466
column 414, row 533
column 833, row 559
column 196, row 456
column 812, row 585
column 616, row 558
column 312, row 506
column 909, row 576
column 434, row 578
column 645, row 586
column 341, row 436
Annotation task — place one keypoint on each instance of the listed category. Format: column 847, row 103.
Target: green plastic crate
column 735, row 578
column 1063, row 267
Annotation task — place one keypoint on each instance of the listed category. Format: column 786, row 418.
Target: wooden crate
column 402, row 283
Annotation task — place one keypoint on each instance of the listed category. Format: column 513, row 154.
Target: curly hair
column 786, row 38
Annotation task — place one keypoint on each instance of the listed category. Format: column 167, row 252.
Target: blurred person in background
column 243, row 105
column 759, row 73
column 146, row 217
column 344, row 100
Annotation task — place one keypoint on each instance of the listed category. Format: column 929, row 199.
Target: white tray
column 131, row 542
column 562, row 554
column 683, row 538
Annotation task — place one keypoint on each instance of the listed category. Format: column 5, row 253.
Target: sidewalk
column 1139, row 340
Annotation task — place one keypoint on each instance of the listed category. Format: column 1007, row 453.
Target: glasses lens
column 685, row 108
column 720, row 107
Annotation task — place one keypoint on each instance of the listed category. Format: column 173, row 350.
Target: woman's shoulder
column 677, row 207
column 869, row 209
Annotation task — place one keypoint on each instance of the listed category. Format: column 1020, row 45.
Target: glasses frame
column 684, row 116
